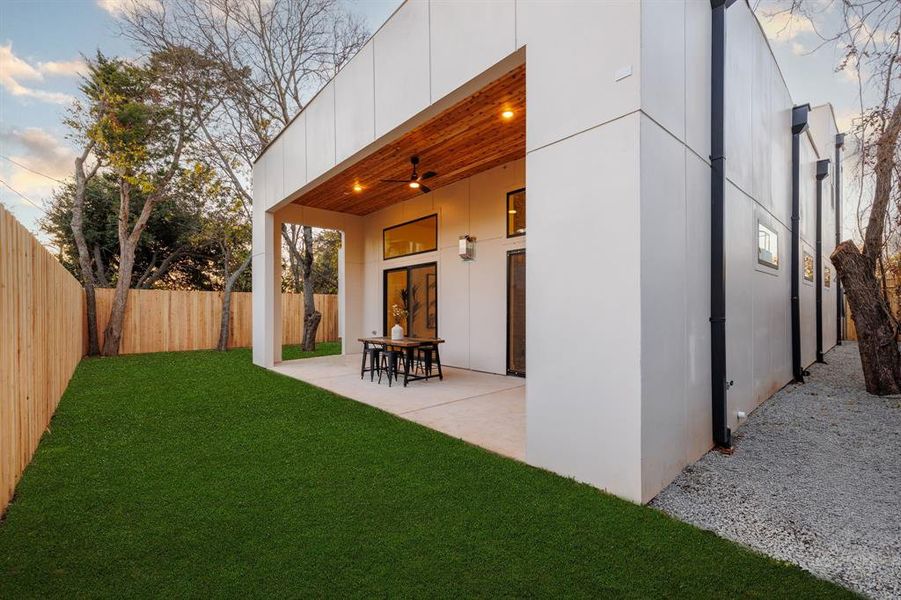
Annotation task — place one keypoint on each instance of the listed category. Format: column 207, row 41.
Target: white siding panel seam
column 306, row 152
column 374, row 129
column 707, row 162
column 335, row 123
column 578, row 133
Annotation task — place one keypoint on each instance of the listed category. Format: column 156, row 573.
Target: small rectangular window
column 808, row 267
column 414, row 237
column 767, row 246
column 827, row 276
column 516, row 213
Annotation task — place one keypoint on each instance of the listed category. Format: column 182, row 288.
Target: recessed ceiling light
column 358, row 188
column 414, row 185
column 507, row 114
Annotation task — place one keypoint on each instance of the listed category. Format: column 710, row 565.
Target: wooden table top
column 406, row 342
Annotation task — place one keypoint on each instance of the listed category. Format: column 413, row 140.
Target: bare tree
column 869, row 36
column 293, row 236
column 272, row 55
column 311, row 316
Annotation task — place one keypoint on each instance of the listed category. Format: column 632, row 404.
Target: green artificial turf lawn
column 197, row 474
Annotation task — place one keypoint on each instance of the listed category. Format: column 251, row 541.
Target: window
column 827, row 276
column 808, row 267
column 415, row 290
column 414, row 237
column 767, row 246
column 516, row 213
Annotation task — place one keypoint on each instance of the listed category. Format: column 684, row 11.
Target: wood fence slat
column 41, row 342
column 176, row 320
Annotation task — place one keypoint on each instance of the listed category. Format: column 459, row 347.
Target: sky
column 42, row 43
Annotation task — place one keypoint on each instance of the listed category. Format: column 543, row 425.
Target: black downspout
column 799, row 125
column 722, row 435
column 837, row 178
column 822, row 173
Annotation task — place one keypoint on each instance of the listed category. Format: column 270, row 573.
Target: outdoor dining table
column 408, row 345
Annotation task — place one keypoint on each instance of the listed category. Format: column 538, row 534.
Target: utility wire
column 20, row 165
column 24, row 197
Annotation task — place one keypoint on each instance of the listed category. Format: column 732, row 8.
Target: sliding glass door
column 516, row 312
column 414, row 289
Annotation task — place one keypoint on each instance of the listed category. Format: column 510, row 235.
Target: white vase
column 397, row 332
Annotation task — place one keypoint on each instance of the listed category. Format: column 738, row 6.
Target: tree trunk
column 876, row 330
column 128, row 242
column 84, row 257
column 879, row 356
column 227, row 303
column 112, row 335
column 289, row 234
column 311, row 316
column 99, row 267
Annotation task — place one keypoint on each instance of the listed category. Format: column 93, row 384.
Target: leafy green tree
column 167, row 255
column 326, row 245
column 139, row 120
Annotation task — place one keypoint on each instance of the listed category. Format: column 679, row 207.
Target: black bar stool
column 374, row 353
column 389, row 364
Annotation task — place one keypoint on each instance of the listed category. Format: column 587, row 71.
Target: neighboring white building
column 608, row 131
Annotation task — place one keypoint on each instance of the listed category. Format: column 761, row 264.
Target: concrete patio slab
column 481, row 408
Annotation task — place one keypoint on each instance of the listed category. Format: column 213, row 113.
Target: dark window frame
column 387, row 229
column 507, row 214
column 385, row 331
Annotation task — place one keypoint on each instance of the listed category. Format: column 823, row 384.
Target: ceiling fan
column 415, row 180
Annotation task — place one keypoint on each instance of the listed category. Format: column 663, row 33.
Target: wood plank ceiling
column 465, row 139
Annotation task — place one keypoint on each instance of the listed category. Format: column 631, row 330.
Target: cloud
column 14, row 71
column 117, row 7
column 37, row 154
column 799, row 49
column 782, row 26
column 66, row 68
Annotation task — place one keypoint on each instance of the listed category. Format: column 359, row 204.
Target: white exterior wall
column 675, row 230
column 472, row 301
column 586, row 424
column 618, row 260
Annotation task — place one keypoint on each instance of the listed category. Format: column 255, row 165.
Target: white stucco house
column 640, row 163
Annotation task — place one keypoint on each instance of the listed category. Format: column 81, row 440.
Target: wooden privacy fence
column 171, row 320
column 41, row 342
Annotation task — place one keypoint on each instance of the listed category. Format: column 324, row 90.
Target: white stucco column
column 266, row 288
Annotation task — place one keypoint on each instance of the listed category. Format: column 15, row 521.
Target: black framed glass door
column 414, row 289
column 516, row 312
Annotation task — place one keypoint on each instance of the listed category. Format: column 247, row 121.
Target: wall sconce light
column 467, row 247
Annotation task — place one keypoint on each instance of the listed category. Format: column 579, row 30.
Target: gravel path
column 815, row 480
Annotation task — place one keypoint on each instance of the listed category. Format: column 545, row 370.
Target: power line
column 20, row 165
column 24, row 197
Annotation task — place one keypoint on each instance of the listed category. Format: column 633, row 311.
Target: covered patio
column 483, row 409
column 401, row 250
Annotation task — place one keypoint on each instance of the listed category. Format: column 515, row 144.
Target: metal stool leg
column 363, row 362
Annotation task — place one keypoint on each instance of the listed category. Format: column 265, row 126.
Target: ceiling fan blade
column 428, row 175
column 425, row 189
column 395, row 181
